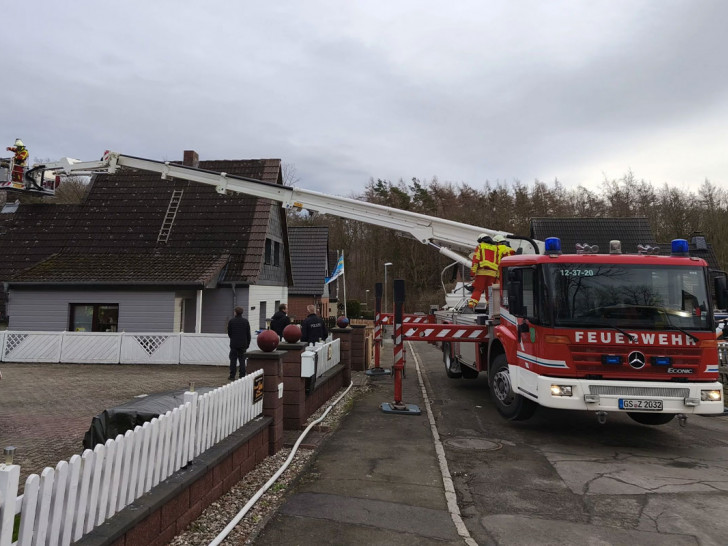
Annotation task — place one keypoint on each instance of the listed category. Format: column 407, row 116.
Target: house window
column 94, row 317
column 268, row 251
column 262, row 315
column 276, row 254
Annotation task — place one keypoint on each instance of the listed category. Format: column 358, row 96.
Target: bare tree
column 289, row 174
column 71, row 191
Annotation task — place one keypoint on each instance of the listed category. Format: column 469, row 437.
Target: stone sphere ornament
column 267, row 341
column 342, row 322
column 292, row 333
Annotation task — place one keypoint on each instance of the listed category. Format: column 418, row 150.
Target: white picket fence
column 62, row 504
column 115, row 348
column 319, row 358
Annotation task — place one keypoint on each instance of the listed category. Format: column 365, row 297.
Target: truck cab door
column 523, row 304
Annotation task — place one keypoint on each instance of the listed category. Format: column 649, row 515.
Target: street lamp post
column 386, row 265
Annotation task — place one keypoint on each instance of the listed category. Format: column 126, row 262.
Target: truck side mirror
column 721, row 293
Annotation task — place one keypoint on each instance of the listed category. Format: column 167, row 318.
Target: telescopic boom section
column 431, row 230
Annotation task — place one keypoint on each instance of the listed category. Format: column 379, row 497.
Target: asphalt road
column 562, row 478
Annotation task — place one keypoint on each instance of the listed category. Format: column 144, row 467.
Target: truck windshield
column 628, row 296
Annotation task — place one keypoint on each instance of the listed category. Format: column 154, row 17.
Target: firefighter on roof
column 484, row 270
column 21, row 156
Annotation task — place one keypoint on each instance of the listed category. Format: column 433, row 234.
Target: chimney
column 191, row 159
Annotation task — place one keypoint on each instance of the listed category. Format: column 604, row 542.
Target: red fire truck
column 582, row 331
column 597, row 332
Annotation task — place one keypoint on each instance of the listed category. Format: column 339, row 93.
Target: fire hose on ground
column 240, row 515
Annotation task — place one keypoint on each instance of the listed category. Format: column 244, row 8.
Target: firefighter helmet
column 19, row 143
column 499, row 238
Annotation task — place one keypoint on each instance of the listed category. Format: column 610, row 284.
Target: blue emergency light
column 661, row 360
column 611, row 359
column 552, row 245
column 679, row 247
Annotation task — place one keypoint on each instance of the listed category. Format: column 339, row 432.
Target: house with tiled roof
column 146, row 254
column 309, row 250
column 594, row 231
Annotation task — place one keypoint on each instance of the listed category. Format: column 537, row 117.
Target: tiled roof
column 127, row 269
column 308, row 249
column 594, row 231
column 33, row 233
column 124, row 213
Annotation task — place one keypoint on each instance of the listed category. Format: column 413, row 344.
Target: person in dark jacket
column 313, row 328
column 280, row 320
column 239, row 333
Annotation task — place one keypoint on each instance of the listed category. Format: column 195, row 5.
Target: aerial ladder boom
column 431, row 230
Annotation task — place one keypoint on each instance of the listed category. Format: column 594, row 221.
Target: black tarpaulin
column 114, row 421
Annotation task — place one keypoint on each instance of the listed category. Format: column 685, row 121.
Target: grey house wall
column 48, row 310
column 217, row 309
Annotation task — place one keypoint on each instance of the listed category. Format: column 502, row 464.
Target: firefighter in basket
column 484, row 270
column 20, row 159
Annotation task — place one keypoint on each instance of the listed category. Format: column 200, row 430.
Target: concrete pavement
column 375, row 480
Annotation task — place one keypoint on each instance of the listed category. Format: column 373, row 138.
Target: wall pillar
column 344, row 335
column 198, row 313
column 272, row 366
column 294, row 386
column 358, row 348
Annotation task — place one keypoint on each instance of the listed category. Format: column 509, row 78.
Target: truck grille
column 661, row 392
column 589, row 359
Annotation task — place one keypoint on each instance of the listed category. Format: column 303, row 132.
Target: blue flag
column 338, row 270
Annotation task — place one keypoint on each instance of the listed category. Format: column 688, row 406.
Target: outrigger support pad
column 378, row 372
column 401, row 409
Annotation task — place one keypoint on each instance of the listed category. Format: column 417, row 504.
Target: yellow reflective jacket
column 487, row 257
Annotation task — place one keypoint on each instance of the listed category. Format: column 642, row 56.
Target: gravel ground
column 216, row 517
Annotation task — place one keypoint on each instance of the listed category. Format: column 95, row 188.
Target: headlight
column 709, row 396
column 561, row 390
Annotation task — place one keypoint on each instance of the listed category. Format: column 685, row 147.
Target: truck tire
column 651, row 418
column 510, row 405
column 452, row 368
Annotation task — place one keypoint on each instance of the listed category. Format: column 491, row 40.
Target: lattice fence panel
column 150, row 348
column 32, row 347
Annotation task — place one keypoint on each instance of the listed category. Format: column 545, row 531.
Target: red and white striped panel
column 398, row 347
column 414, row 318
column 445, row 332
column 388, row 318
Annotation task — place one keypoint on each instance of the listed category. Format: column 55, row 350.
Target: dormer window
column 268, row 252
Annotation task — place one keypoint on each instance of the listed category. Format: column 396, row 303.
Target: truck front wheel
column 509, row 404
column 452, row 366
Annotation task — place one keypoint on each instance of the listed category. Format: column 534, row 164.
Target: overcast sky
column 349, row 90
